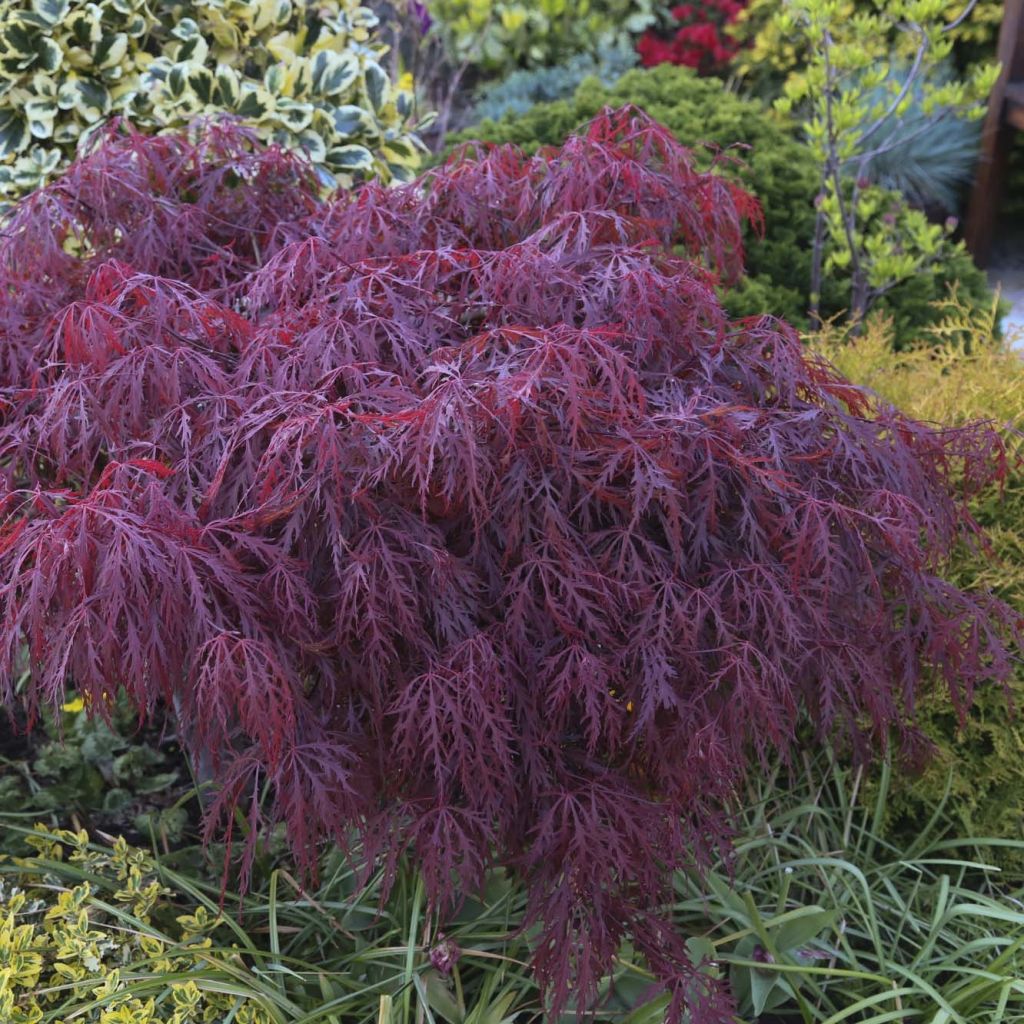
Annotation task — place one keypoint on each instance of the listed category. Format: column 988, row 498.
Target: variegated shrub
column 303, row 74
column 501, row 35
column 91, row 934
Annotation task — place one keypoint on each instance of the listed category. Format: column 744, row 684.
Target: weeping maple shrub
column 457, row 519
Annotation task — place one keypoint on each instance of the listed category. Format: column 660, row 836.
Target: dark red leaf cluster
column 696, row 36
column 459, row 515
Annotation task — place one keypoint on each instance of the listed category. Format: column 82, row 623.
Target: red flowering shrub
column 697, row 37
column 458, row 517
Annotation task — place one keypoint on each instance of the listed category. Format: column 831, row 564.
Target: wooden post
column 1005, row 114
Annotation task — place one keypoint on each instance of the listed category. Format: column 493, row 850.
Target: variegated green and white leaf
column 176, row 81
column 110, row 51
column 314, row 145
column 49, row 54
column 294, row 116
column 228, row 86
column 186, row 29
column 67, row 133
column 400, row 151
column 350, row 120
column 378, row 86
column 18, row 42
column 402, row 173
column 255, row 103
column 92, row 100
column 41, row 114
column 14, row 133
column 84, row 28
column 201, row 83
column 135, row 26
column 349, row 158
column 51, row 11
column 273, row 79
column 333, row 73
column 44, row 86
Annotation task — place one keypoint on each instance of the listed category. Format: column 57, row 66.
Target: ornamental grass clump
column 457, row 520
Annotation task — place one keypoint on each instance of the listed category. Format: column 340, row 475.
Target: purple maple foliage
column 458, row 517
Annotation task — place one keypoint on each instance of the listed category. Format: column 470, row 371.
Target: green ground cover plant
column 819, row 915
column 93, row 934
column 823, row 916
column 160, row 943
column 113, row 776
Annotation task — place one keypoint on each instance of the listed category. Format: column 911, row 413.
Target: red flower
column 699, row 40
column 704, row 36
column 653, row 50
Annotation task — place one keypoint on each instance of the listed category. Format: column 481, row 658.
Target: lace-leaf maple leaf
column 458, row 520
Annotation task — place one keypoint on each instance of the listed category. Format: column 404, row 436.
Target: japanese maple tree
column 458, row 517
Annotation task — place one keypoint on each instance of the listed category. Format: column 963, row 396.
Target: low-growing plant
column 102, row 774
column 108, row 934
column 460, row 515
column 306, row 75
column 94, row 935
column 777, row 168
column 820, row 917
